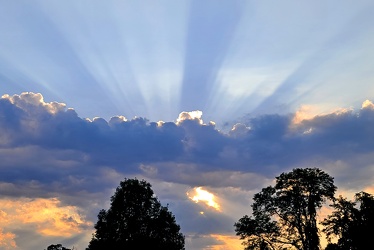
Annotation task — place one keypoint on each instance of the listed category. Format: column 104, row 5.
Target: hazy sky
column 206, row 100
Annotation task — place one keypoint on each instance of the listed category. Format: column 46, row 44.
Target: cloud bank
column 52, row 159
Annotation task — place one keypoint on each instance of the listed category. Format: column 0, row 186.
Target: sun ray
column 203, row 59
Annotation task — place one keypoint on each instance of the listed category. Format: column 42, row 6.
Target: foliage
column 284, row 216
column 57, row 247
column 352, row 222
column 136, row 220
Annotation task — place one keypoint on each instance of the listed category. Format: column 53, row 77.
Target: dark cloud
column 48, row 151
column 188, row 214
column 49, row 140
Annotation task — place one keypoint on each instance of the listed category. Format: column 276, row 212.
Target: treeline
column 284, row 216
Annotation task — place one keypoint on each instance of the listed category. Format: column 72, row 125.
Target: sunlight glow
column 49, row 216
column 34, row 99
column 192, row 115
column 141, row 63
column 368, row 104
column 305, row 112
column 202, row 195
column 7, row 240
column 228, row 242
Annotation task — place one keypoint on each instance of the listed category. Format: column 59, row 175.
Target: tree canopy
column 136, row 220
column 352, row 222
column 285, row 215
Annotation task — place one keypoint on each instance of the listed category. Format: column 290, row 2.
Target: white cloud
column 192, row 115
column 367, row 105
column 34, row 102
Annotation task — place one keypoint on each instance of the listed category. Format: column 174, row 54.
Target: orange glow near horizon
column 48, row 216
column 202, row 195
column 229, row 242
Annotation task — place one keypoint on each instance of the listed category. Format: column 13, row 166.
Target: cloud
column 55, row 141
column 367, row 105
column 29, row 101
column 45, row 217
column 213, row 241
column 53, row 160
column 7, row 239
column 193, row 115
column 226, row 242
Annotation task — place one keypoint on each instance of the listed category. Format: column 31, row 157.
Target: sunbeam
column 139, row 69
column 124, row 58
column 207, row 45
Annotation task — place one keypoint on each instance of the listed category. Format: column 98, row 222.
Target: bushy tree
column 352, row 222
column 136, row 220
column 57, row 247
column 285, row 215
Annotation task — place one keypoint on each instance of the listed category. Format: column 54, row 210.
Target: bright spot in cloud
column 202, row 195
column 367, row 104
column 239, row 130
column 305, row 112
column 192, row 115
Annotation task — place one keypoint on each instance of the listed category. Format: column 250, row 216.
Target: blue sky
column 223, row 95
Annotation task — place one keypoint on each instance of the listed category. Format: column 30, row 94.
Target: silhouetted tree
column 285, row 216
column 57, row 247
column 352, row 222
column 136, row 220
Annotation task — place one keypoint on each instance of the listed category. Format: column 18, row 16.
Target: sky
column 206, row 100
